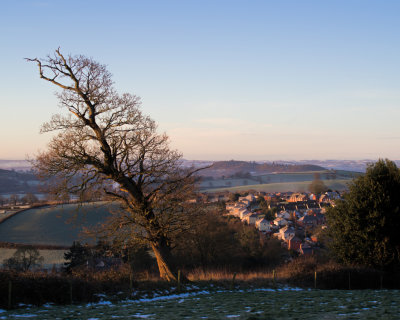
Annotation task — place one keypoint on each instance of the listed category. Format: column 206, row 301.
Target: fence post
column 315, row 279
column 130, row 282
column 179, row 281
column 9, row 294
column 273, row 277
column 233, row 281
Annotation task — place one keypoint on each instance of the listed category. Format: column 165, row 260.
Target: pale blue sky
column 251, row 80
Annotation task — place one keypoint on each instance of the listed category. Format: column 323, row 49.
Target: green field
column 301, row 186
column 50, row 257
column 53, row 225
column 253, row 304
column 280, row 182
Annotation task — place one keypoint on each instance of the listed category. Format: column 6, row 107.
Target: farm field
column 254, row 304
column 279, row 178
column 301, row 186
column 50, row 257
column 53, row 225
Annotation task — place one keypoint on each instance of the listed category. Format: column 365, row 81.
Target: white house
column 235, row 209
column 286, row 233
column 263, row 225
column 280, row 222
column 250, row 218
column 243, row 213
column 283, row 214
column 245, row 202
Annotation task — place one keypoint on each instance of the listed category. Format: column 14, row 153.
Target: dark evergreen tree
column 364, row 226
column 77, row 256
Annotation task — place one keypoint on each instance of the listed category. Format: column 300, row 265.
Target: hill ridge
column 230, row 167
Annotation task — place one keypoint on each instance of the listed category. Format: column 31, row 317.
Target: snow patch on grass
column 171, row 296
column 144, row 316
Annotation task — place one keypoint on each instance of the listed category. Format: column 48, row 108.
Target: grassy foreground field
column 263, row 303
column 284, row 186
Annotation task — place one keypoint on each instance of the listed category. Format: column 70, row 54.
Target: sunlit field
column 50, row 257
column 284, row 186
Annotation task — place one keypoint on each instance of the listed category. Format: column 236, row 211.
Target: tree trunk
column 162, row 252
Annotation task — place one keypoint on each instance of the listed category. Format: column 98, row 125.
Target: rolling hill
column 228, row 168
column 54, row 225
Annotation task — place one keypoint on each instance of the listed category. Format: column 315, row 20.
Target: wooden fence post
column 315, row 279
column 130, row 282
column 273, row 277
column 179, row 281
column 233, row 281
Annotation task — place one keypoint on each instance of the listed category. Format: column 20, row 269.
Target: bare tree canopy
column 104, row 142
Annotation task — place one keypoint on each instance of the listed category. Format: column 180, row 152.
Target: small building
column 250, row 218
column 296, row 197
column 280, row 222
column 284, row 215
column 243, row 213
column 286, row 233
column 308, row 221
column 263, row 225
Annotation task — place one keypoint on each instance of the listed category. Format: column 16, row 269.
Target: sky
column 243, row 80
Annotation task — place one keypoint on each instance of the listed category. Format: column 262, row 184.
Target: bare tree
column 23, row 259
column 29, row 198
column 104, row 142
column 13, row 200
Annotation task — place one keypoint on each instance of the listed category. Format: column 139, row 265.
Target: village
column 294, row 218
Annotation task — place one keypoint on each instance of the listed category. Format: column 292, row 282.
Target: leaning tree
column 104, row 142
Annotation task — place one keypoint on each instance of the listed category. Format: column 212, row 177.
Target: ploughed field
column 286, row 303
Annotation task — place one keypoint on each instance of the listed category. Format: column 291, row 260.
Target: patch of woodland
column 217, row 242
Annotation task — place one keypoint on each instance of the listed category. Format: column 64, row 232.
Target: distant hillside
column 19, row 165
column 227, row 168
column 17, row 182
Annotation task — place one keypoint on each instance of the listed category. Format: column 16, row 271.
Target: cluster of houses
column 295, row 214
